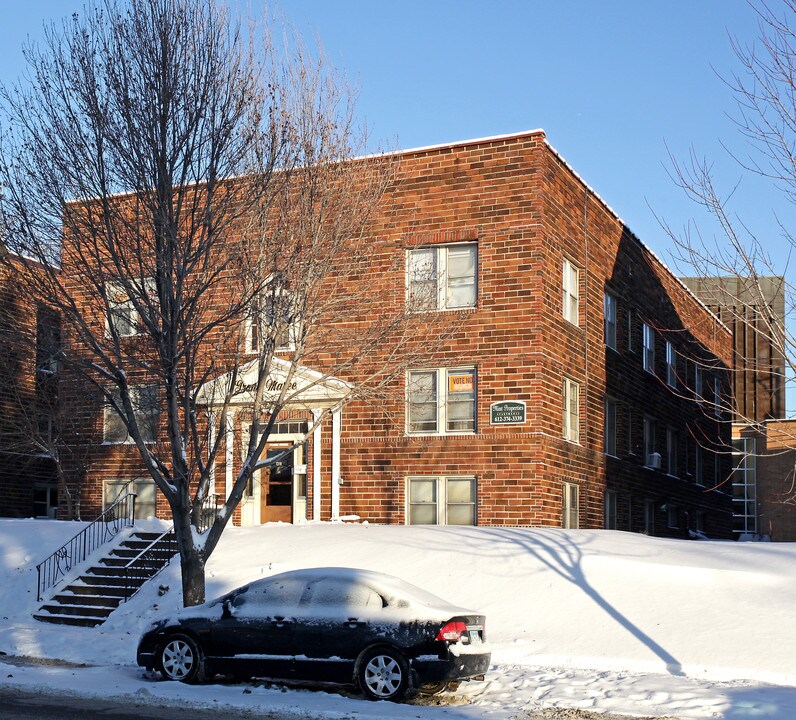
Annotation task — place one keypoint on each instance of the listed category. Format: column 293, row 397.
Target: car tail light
column 452, row 631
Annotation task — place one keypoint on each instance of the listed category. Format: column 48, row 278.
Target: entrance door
column 276, row 487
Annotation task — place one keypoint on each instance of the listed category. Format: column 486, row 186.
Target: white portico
column 281, row 493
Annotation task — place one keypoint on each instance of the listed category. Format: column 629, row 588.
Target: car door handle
column 353, row 622
column 281, row 622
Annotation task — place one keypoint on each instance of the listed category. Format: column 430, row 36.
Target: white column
column 336, row 424
column 229, row 455
column 316, row 467
column 212, row 434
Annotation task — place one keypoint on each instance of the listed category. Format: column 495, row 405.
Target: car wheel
column 384, row 674
column 181, row 659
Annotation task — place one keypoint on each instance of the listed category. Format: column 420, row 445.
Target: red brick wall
column 527, row 211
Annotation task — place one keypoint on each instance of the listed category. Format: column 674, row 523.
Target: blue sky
column 611, row 82
column 611, row 88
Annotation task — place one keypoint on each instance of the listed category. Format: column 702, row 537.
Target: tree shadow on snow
column 557, row 551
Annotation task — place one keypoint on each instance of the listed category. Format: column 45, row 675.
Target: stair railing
column 150, row 561
column 119, row 515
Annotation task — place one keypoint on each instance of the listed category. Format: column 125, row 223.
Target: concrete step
column 77, row 610
column 78, row 620
column 101, row 590
column 71, row 599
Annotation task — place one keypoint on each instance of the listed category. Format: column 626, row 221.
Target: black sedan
column 339, row 625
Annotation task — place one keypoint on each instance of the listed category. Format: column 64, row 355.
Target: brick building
column 28, row 478
column 573, row 393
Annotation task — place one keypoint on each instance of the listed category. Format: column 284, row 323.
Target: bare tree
column 202, row 231
column 748, row 283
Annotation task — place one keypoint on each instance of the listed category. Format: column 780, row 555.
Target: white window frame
column 609, row 320
column 570, row 287
column 256, row 320
column 609, row 426
column 610, row 510
column 648, row 348
column 441, row 501
column 442, row 399
column 440, row 278
column 671, row 365
column 115, row 289
column 135, row 394
column 570, row 405
column 744, row 485
column 570, row 506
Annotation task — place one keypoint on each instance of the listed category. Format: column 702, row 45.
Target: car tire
column 383, row 673
column 181, row 658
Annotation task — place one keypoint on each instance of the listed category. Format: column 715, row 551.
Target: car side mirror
column 226, row 608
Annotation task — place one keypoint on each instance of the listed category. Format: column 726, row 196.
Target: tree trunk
column 192, row 560
column 192, row 565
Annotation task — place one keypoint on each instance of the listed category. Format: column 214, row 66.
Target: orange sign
column 461, row 383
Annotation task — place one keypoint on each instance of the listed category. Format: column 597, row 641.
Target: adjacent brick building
column 578, row 389
column 28, row 484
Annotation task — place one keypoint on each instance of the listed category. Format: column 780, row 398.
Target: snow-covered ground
column 601, row 620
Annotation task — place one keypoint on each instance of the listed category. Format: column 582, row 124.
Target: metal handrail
column 208, row 512
column 119, row 515
column 148, row 562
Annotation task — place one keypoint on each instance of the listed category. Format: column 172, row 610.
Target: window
column 609, row 316
column 443, row 277
column 121, row 311
column 571, row 282
column 671, row 451
column 48, row 340
column 698, row 464
column 272, row 320
column 698, row 382
column 649, row 441
column 672, row 516
column 144, row 488
column 648, row 357
column 716, row 397
column 700, row 520
column 649, row 517
column 122, row 314
column 610, row 426
column 143, row 398
column 571, row 410
column 570, row 519
column 610, row 510
column 442, row 501
column 744, row 485
column 671, row 365
column 441, row 401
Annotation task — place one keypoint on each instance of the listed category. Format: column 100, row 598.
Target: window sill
column 571, row 442
column 464, row 433
column 114, row 443
column 612, row 456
